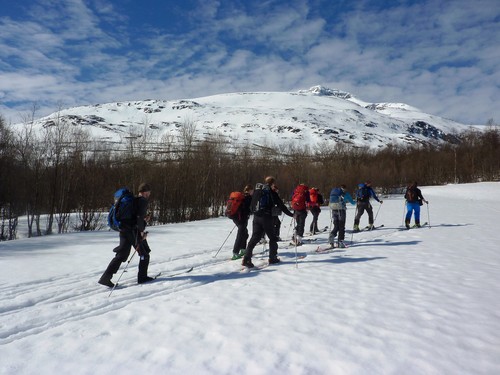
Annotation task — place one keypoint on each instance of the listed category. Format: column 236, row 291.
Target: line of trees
column 62, row 172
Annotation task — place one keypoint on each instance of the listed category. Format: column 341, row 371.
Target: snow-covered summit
column 308, row 117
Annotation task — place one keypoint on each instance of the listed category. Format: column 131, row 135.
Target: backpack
column 299, row 197
column 336, row 199
column 262, row 201
column 123, row 210
column 363, row 193
column 314, row 200
column 233, row 205
column 411, row 195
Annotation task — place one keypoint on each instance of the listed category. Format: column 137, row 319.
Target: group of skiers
column 266, row 206
column 264, row 202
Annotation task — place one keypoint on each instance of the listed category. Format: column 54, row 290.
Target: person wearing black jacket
column 263, row 201
column 414, row 200
column 241, row 222
column 132, row 233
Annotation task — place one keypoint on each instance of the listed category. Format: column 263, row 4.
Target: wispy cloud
column 442, row 57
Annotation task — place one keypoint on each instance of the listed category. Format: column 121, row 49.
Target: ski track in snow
column 395, row 301
column 65, row 303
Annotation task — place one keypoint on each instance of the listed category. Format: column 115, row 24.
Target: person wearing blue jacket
column 363, row 195
column 337, row 204
column 414, row 200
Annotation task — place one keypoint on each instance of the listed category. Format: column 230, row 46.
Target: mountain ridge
column 305, row 117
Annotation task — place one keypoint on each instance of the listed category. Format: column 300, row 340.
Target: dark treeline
column 62, row 171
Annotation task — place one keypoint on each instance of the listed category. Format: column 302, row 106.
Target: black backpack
column 262, row 201
column 363, row 193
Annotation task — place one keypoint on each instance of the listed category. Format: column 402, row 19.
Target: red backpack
column 233, row 204
column 299, row 197
column 313, row 196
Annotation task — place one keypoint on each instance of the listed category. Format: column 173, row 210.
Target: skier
column 132, row 233
column 337, row 204
column 414, row 200
column 363, row 195
column 263, row 201
column 316, row 200
column 300, row 199
column 241, row 222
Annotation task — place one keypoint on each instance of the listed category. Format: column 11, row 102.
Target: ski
column 119, row 286
column 330, row 248
column 367, row 228
column 176, row 273
column 414, row 226
column 319, row 231
column 255, row 268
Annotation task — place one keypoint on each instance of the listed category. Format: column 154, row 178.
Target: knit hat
column 269, row 180
column 144, row 187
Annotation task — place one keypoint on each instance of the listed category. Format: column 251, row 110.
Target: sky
column 442, row 57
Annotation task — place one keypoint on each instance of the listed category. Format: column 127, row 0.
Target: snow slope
column 424, row 301
column 306, row 117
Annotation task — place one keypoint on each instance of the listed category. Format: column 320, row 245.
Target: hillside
column 306, row 117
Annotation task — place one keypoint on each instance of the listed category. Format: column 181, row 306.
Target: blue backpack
column 123, row 210
column 336, row 201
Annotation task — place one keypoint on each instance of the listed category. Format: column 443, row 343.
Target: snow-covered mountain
column 307, row 117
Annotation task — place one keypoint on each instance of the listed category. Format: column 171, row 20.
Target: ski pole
column 124, row 270
column 355, row 213
column 374, row 220
column 290, row 227
column 428, row 218
column 224, row 241
column 295, row 240
column 403, row 220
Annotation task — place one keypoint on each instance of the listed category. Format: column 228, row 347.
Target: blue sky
column 437, row 55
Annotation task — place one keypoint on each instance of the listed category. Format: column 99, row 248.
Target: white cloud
column 442, row 57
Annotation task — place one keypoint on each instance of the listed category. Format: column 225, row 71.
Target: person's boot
column 407, row 223
column 106, row 280
column 145, row 279
column 247, row 262
column 356, row 228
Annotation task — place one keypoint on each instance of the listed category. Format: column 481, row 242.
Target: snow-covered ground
column 424, row 301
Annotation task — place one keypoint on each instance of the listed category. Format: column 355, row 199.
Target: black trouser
column 277, row 225
column 362, row 206
column 241, row 236
column 300, row 219
column 143, row 250
column 339, row 218
column 262, row 225
column 313, row 228
column 127, row 240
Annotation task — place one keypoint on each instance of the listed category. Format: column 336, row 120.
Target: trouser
column 412, row 207
column 300, row 219
column 362, row 206
column 262, row 225
column 241, row 236
column 143, row 250
column 339, row 218
column 127, row 240
column 313, row 228
column 277, row 225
